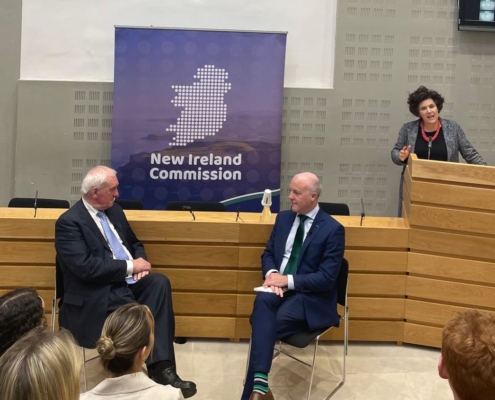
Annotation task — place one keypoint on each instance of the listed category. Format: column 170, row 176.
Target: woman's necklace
column 430, row 139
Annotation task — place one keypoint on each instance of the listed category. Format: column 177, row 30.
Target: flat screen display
column 477, row 15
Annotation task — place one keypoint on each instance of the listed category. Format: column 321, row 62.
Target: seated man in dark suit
column 468, row 355
column 104, row 267
column 300, row 265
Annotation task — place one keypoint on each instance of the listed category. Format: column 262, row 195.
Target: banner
column 197, row 116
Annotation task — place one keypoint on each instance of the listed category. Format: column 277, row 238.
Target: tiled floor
column 374, row 371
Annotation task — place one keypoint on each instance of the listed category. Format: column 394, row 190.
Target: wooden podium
column 450, row 210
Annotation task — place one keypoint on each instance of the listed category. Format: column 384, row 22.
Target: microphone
column 311, row 230
column 190, row 209
column 238, row 210
column 35, row 204
column 363, row 215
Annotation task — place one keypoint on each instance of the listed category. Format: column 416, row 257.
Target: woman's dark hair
column 21, row 310
column 421, row 94
column 125, row 332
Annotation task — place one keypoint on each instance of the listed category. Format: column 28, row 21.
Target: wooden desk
column 214, row 264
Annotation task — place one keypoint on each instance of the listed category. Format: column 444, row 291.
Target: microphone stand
column 238, row 216
column 363, row 215
column 35, row 204
column 190, row 209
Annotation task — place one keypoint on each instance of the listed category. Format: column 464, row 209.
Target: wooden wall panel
column 201, row 280
column 248, row 280
column 451, row 268
column 200, row 256
column 242, row 328
column 258, row 233
column 245, row 304
column 250, row 257
column 185, row 231
column 212, row 327
column 465, row 221
column 377, row 284
column 452, row 244
column 454, row 173
column 190, row 303
column 27, row 252
column 388, row 331
column 477, row 198
column 375, row 308
column 422, row 335
column 27, row 276
column 433, row 313
column 376, row 261
column 451, row 292
column 27, row 229
column 376, row 238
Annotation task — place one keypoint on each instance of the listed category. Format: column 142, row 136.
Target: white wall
column 74, row 39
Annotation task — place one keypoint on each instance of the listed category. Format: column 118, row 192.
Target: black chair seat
column 130, row 204
column 28, row 202
column 335, row 208
column 303, row 339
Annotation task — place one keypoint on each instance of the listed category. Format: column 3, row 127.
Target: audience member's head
column 126, row 339
column 20, row 311
column 41, row 365
column 468, row 355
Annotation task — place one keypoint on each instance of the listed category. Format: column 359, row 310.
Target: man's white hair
column 96, row 177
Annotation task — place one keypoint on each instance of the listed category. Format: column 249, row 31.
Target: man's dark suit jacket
column 318, row 267
column 89, row 269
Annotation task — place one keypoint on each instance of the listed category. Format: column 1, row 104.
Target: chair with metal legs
column 303, row 339
column 56, row 302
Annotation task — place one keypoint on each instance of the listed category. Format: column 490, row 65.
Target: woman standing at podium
column 431, row 137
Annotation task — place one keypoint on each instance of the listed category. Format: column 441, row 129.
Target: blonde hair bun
column 106, row 348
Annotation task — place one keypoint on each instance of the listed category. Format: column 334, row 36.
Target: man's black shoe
column 168, row 376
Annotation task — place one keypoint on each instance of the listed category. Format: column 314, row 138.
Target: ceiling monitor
column 477, row 15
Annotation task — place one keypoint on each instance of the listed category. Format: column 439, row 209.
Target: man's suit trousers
column 154, row 291
column 273, row 318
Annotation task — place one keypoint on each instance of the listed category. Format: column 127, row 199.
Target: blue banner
column 198, row 116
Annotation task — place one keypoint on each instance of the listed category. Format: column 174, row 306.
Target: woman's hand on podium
column 404, row 153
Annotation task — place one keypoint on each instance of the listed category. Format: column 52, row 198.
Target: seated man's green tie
column 291, row 267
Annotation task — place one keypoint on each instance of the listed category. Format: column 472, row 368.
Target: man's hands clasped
column 277, row 283
column 141, row 268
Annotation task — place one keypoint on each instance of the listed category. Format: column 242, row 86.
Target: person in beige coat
column 126, row 342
